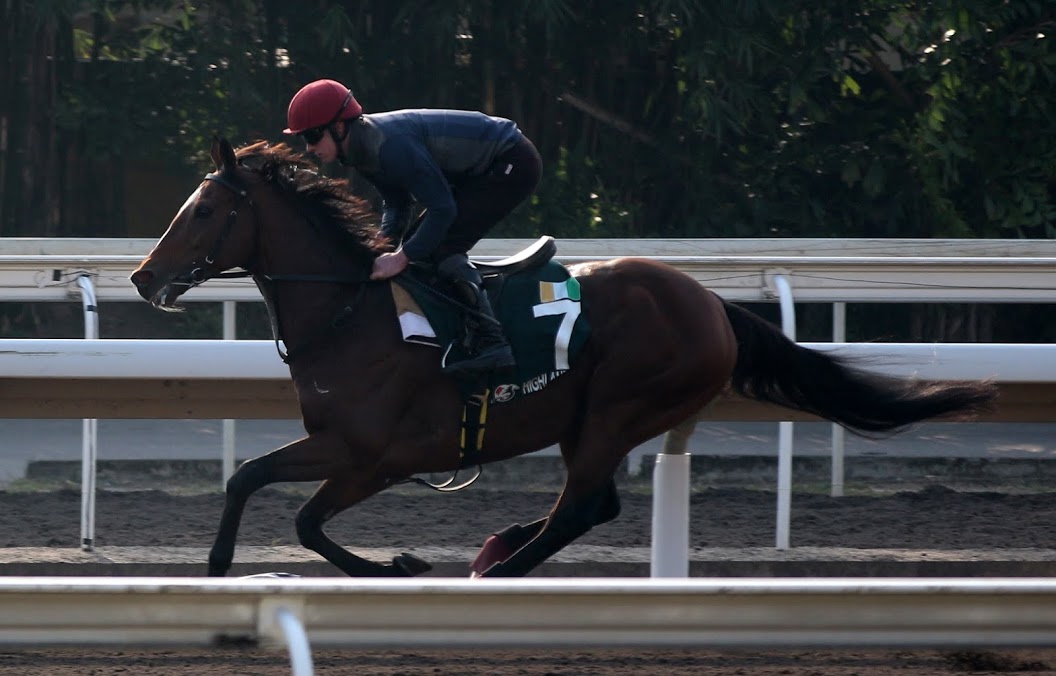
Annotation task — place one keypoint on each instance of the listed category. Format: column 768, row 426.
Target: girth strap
column 470, row 442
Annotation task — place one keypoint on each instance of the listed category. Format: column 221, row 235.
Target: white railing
column 532, row 612
column 814, row 278
column 249, row 360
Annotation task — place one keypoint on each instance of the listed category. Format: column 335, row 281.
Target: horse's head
column 212, row 232
column 264, row 209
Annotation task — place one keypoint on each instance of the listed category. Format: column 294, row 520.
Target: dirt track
column 227, row 662
column 933, row 518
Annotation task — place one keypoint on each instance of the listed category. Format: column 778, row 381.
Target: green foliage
column 986, row 140
column 655, row 117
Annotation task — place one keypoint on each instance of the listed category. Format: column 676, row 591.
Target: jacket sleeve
column 408, row 164
column 395, row 211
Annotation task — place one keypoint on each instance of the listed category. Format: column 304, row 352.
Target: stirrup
column 498, row 357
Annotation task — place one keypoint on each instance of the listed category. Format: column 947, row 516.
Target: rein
column 199, row 274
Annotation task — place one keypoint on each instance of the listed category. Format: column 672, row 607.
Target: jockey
column 468, row 170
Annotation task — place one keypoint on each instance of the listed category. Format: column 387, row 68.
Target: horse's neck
column 350, row 318
column 299, row 274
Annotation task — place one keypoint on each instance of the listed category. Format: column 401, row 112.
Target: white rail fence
column 535, row 613
column 531, row 612
column 740, row 270
column 837, row 271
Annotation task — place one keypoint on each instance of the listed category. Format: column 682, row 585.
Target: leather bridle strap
column 232, row 216
column 200, row 273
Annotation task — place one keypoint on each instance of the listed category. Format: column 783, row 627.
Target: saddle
column 494, row 273
column 532, row 256
column 535, row 299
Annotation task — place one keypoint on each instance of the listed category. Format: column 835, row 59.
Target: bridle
column 199, row 272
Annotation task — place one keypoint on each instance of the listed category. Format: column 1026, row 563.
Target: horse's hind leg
column 589, row 497
column 582, row 506
column 313, row 458
column 333, row 497
column 501, row 545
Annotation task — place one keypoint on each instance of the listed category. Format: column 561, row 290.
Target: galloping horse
column 378, row 410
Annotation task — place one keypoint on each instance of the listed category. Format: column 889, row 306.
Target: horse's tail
column 772, row 368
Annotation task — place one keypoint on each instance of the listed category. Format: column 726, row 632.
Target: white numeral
column 570, row 309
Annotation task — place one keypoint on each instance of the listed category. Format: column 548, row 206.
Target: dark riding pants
column 484, row 200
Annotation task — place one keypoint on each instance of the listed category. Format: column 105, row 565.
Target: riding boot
column 489, row 348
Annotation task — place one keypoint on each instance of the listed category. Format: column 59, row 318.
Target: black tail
column 772, row 368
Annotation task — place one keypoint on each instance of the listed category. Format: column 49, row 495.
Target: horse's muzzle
column 141, row 279
column 161, row 295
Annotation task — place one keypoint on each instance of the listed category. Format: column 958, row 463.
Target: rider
column 468, row 170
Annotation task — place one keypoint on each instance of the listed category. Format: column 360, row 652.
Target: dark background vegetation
column 655, row 118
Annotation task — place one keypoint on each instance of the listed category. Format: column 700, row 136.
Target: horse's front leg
column 313, row 458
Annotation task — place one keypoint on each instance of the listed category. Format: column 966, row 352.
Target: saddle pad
column 540, row 311
column 413, row 324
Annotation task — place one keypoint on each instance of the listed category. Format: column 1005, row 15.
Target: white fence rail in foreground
column 533, row 612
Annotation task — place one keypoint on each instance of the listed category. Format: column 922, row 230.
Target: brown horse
column 378, row 410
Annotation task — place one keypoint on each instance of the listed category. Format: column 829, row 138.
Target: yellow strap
column 483, row 418
column 462, row 436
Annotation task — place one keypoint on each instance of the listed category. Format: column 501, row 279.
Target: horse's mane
column 326, row 201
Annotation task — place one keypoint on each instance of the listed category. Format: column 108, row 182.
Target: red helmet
column 319, row 104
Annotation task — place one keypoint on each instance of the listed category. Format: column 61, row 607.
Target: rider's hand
column 389, row 264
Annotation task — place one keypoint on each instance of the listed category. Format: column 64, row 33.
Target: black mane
column 326, row 201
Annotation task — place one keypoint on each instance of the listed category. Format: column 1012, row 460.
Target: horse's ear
column 222, row 153
column 214, row 152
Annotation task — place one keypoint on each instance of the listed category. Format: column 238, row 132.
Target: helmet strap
column 339, row 142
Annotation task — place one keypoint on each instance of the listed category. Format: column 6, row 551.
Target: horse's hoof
column 410, row 565
column 495, row 550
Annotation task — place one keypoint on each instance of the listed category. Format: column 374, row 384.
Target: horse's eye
column 202, row 211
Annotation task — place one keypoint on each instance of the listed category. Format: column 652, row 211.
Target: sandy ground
column 624, row 662
column 935, row 517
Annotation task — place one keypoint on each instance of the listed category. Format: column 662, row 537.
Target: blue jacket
column 419, row 155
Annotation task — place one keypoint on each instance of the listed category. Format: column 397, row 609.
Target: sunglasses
column 315, row 134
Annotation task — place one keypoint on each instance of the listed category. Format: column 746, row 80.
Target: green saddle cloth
column 540, row 312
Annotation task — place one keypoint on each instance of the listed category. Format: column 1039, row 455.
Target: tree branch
column 896, row 87
column 605, row 116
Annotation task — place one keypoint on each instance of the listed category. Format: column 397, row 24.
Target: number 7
column 570, row 309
